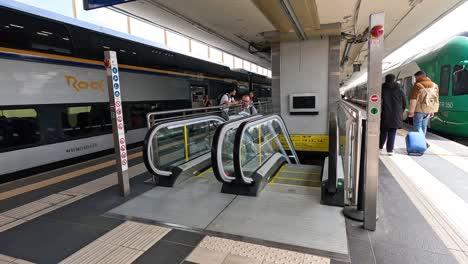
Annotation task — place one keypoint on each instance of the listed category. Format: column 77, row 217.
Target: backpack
column 428, row 99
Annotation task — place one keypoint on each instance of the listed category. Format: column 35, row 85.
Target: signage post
column 118, row 130
column 374, row 83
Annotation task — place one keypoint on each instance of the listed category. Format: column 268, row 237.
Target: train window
column 444, row 80
column 126, row 52
column 14, row 29
column 18, row 127
column 408, row 85
column 138, row 113
column 50, row 37
column 242, row 89
column 81, row 121
column 460, row 81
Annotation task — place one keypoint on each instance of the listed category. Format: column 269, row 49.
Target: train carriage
column 53, row 98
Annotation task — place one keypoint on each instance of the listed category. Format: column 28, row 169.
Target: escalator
column 246, row 154
column 262, row 153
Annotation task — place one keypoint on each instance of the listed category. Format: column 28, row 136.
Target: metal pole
column 374, row 82
column 118, row 130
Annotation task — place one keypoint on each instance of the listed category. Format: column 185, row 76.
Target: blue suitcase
column 416, row 143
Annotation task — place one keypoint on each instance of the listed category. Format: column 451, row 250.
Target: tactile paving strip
column 121, row 245
column 266, row 255
column 25, row 210
column 55, row 199
column 135, row 235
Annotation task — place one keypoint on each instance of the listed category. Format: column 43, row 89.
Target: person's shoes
column 381, row 151
column 390, row 153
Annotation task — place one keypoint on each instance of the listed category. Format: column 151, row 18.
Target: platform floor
column 62, row 216
column 283, row 214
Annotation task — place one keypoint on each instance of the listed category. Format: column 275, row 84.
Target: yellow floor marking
column 402, row 132
column 204, row 172
column 292, row 185
column 61, row 178
column 278, row 173
column 296, row 179
column 301, row 172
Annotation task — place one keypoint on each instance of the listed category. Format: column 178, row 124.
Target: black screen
column 303, row 102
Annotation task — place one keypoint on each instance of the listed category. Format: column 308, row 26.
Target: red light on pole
column 377, row 31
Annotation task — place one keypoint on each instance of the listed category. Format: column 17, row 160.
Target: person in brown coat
column 424, row 101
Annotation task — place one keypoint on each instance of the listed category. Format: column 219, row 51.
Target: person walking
column 393, row 106
column 424, row 101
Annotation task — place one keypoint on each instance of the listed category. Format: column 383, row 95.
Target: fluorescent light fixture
column 42, row 34
column 106, row 47
column 46, row 32
column 16, row 26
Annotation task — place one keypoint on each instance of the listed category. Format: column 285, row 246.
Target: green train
column 446, row 65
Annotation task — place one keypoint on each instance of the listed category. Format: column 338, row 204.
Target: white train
column 53, row 98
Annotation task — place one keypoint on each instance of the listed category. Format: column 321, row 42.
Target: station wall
column 304, row 69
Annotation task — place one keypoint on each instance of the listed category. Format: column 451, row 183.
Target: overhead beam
column 273, row 12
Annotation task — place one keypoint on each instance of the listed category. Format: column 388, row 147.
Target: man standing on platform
column 424, row 101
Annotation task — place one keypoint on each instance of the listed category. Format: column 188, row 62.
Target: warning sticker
column 318, row 143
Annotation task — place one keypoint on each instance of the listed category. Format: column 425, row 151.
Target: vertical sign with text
column 118, row 127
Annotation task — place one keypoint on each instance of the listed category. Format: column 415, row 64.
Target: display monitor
column 303, row 103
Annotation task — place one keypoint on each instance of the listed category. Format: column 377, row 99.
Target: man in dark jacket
column 393, row 105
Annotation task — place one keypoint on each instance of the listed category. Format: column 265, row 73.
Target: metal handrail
column 151, row 133
column 240, row 135
column 151, row 117
column 218, row 139
column 355, row 116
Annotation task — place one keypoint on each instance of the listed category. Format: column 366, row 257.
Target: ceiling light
column 16, row 26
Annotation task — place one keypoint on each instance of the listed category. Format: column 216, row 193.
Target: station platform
column 74, row 215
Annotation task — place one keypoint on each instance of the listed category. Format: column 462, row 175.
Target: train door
column 197, row 92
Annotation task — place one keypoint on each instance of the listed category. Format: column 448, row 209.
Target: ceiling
column 257, row 23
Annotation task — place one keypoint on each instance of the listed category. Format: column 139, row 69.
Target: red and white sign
column 374, row 98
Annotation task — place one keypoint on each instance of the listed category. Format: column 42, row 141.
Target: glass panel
column 177, row 42
column 228, row 60
column 227, row 157
column 199, row 49
column 259, row 143
column 63, row 7
column 460, row 81
column 177, row 142
column 18, row 127
column 246, row 65
column 237, row 63
column 408, row 85
column 168, row 148
column 444, row 80
column 147, row 31
column 216, row 55
column 102, row 17
column 254, row 68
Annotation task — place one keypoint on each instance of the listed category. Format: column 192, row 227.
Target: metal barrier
column 262, row 108
column 353, row 127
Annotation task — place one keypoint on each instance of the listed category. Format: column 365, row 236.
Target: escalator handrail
column 216, row 150
column 240, row 134
column 147, row 149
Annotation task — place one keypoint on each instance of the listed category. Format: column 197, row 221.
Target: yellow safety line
column 61, row 178
column 302, row 172
column 292, row 185
column 296, row 179
column 278, row 173
column 260, row 144
column 204, row 172
column 186, row 143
